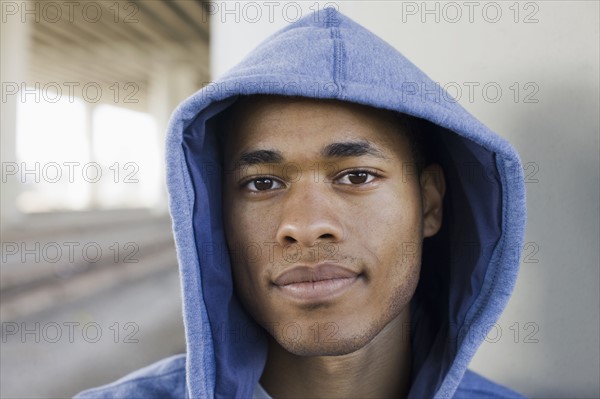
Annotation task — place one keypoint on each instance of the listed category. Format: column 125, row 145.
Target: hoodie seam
column 338, row 57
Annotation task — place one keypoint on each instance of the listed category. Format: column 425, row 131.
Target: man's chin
column 329, row 347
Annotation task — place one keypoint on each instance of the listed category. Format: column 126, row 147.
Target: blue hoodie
column 327, row 55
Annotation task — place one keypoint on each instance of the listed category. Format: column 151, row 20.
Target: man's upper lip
column 320, row 272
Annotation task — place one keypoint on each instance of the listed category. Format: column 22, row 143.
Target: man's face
column 324, row 219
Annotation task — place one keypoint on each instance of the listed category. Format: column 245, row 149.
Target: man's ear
column 433, row 188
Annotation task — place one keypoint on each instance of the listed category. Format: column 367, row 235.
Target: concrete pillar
column 13, row 67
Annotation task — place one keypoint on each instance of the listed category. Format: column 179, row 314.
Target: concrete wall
column 543, row 56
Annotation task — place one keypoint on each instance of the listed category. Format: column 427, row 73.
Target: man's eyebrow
column 333, row 150
column 258, row 157
column 351, row 149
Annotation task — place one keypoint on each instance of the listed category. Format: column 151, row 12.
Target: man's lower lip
column 318, row 290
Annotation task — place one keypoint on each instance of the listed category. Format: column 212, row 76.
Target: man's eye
column 357, row 177
column 262, row 184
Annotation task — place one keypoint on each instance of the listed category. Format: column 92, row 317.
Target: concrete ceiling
column 115, row 44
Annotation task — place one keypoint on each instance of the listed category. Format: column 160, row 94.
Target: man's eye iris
column 263, row 184
column 358, row 177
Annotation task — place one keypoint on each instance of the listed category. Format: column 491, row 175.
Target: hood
column 474, row 258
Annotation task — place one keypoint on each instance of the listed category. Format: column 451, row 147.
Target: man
column 341, row 232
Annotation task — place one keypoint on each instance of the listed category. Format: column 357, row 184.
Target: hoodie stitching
column 332, row 23
column 337, row 59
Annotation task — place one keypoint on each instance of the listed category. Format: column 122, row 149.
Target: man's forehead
column 272, row 108
column 265, row 117
column 274, row 129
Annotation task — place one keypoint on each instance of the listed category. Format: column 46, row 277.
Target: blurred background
column 88, row 282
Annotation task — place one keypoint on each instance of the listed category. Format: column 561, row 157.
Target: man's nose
column 309, row 216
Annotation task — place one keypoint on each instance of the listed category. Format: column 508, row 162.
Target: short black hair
column 421, row 136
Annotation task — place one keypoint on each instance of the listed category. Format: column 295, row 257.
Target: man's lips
column 307, row 274
column 324, row 281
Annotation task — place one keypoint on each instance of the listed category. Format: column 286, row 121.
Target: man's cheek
column 248, row 287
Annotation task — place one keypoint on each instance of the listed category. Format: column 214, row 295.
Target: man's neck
column 380, row 369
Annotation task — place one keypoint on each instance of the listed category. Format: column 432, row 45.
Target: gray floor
column 62, row 333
